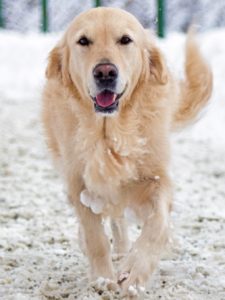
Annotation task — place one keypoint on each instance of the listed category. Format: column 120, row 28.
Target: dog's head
column 104, row 54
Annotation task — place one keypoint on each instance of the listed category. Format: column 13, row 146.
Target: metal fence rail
column 161, row 17
column 44, row 5
column 44, row 11
column 1, row 15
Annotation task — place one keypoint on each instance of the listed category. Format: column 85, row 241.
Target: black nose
column 105, row 75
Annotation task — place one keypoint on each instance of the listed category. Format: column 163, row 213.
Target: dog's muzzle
column 107, row 97
column 105, row 77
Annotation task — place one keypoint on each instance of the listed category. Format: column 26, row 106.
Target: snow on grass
column 39, row 253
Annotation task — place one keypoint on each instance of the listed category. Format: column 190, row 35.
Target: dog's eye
column 83, row 41
column 125, row 40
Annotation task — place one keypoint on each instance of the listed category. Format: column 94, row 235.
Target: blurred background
column 27, row 15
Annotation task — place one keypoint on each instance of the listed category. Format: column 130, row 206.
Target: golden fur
column 121, row 159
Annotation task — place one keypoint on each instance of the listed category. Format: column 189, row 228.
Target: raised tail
column 196, row 88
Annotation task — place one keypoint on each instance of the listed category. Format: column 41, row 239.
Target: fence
column 45, row 15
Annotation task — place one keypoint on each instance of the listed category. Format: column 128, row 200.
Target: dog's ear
column 158, row 68
column 58, row 64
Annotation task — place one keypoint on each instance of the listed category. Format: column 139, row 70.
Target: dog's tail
column 196, row 88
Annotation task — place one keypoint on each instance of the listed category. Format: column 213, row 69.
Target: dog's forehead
column 104, row 19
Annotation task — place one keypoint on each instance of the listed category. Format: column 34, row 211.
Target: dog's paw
column 135, row 291
column 132, row 291
column 134, row 274
column 104, row 284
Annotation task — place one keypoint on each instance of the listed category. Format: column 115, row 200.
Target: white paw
column 104, row 284
column 132, row 291
column 134, row 274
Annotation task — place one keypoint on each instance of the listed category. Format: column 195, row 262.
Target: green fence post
column 1, row 14
column 44, row 25
column 161, row 18
column 97, row 3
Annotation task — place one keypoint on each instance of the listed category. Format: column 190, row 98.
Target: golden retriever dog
column 109, row 107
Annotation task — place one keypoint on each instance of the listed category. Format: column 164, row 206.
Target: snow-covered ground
column 39, row 253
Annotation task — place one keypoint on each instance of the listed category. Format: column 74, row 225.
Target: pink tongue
column 105, row 99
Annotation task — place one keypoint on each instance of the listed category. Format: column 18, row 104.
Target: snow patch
column 132, row 290
column 94, row 203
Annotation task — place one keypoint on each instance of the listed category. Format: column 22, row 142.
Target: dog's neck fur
column 120, row 149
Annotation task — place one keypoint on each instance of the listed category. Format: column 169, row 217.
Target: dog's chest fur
column 113, row 161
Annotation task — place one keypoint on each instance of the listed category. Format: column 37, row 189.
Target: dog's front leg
column 96, row 243
column 146, row 251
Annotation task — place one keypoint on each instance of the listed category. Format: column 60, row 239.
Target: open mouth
column 106, row 101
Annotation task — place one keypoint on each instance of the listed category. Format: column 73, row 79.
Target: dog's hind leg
column 120, row 237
